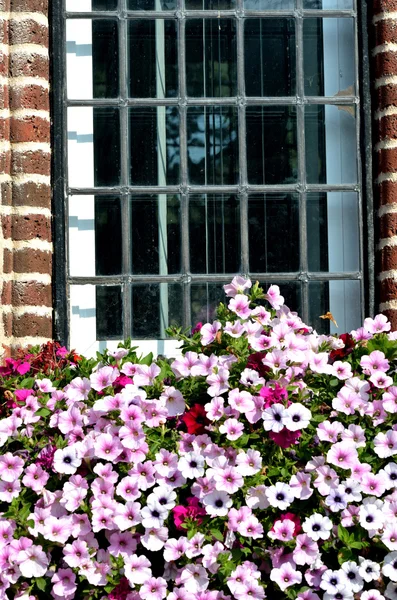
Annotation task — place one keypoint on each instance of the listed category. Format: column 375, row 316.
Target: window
column 207, row 138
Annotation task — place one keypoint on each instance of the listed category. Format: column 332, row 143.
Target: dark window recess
column 106, row 147
column 214, row 230
column 147, row 78
column 312, row 57
column 316, row 151
column 155, row 235
column 317, row 232
column 105, row 59
column 109, row 312
column 291, row 291
column 319, row 298
column 210, row 4
column 205, row 298
column 107, row 235
column 272, row 218
column 104, row 4
column 152, row 4
column 212, row 145
column 272, row 146
column 154, row 308
column 270, row 57
column 211, row 57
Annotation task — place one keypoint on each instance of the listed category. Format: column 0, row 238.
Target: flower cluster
column 258, row 464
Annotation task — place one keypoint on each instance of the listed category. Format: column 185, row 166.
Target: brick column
column 25, row 193
column 385, row 140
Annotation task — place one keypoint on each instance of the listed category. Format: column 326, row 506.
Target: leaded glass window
column 207, row 138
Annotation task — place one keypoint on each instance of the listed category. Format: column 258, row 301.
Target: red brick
column 30, row 65
column 4, row 128
column 7, row 261
column 4, row 32
column 6, row 193
column 387, row 160
column 27, row 227
column 387, row 259
column 29, row 129
column 4, row 64
column 5, row 162
column 28, row 260
column 379, row 6
column 37, row 162
column 31, row 325
column 26, row 294
column 31, row 194
column 30, row 5
column 392, row 316
column 385, row 64
column 385, row 96
column 4, row 97
column 7, row 324
column 385, row 31
column 5, row 5
column 386, row 127
column 387, row 192
column 387, row 290
column 28, row 31
column 388, row 225
column 29, row 96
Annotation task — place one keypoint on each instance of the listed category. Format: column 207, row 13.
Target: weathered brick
column 29, row 96
column 385, row 96
column 5, row 162
column 4, row 32
column 37, row 162
column 32, row 194
column 387, row 192
column 386, row 127
column 26, row 227
column 6, row 193
column 31, row 325
column 391, row 314
column 379, row 6
column 385, row 64
column 385, row 31
column 7, row 324
column 386, row 259
column 7, row 261
column 29, row 129
column 26, row 294
column 5, row 5
column 387, row 160
column 4, row 97
column 30, row 65
column 4, row 128
column 34, row 6
column 4, row 64
column 388, row 225
column 28, row 31
column 28, row 260
column 387, row 290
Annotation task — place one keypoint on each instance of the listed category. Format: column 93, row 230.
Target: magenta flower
column 193, row 511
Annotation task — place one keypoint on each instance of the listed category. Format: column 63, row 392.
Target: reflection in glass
column 153, row 58
column 270, row 61
column 273, row 230
column 151, row 4
column 214, row 229
column 271, row 144
column 109, row 312
column 269, row 4
column 155, row 307
column 331, row 151
column 205, row 298
column 342, row 299
column 210, row 4
column 212, row 145
column 107, row 227
column 328, row 4
column 333, row 231
column 106, row 146
column 211, row 56
column 329, row 57
column 154, row 145
column 155, row 234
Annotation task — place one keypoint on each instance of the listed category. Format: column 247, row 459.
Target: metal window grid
column 60, row 103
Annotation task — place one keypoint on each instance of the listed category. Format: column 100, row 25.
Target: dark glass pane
column 205, row 298
column 331, row 144
column 154, row 146
column 329, row 57
column 292, row 292
column 105, row 59
column 104, row 4
column 151, row 4
column 211, row 57
column 106, row 146
column 107, row 229
column 270, row 61
column 214, row 229
column 153, row 58
column 342, row 299
column 212, row 145
column 272, row 154
column 109, row 312
column 155, row 234
column 210, row 4
column 333, row 235
column 328, row 4
column 155, row 307
column 273, row 229
column 269, row 4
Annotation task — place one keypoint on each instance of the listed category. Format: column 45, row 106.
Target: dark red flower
column 121, row 591
column 341, row 353
column 285, row 438
column 121, row 382
column 195, row 419
column 197, row 328
column 255, row 362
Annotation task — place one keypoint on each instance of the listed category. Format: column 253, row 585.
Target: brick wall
column 25, row 193
column 385, row 134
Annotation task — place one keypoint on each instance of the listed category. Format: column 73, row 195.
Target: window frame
column 59, row 102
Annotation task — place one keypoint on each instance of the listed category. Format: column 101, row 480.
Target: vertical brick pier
column 25, row 161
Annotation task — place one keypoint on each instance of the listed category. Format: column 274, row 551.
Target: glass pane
column 109, row 312
column 90, row 5
column 154, row 145
column 81, row 236
column 269, row 4
column 211, row 57
column 155, row 307
column 108, row 227
column 272, row 154
column 155, row 234
column 92, row 61
column 204, row 299
column 331, row 144
column 153, row 58
column 333, row 232
column 90, row 131
column 270, row 61
column 214, row 229
column 341, row 298
column 151, row 4
column 328, row 4
column 329, row 63
column 292, row 292
column 210, row 4
column 212, row 145
column 273, row 230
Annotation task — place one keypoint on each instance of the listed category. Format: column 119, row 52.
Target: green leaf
column 27, row 383
column 41, row 583
column 343, row 534
column 147, row 360
column 334, row 382
column 217, row 534
column 43, row 412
